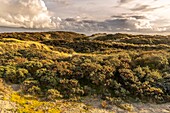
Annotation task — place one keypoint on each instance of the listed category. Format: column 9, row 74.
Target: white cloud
column 25, row 13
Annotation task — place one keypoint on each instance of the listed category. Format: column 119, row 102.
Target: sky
column 86, row 16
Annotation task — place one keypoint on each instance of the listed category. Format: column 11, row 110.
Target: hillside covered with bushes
column 55, row 65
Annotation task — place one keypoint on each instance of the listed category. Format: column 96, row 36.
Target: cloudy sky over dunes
column 88, row 16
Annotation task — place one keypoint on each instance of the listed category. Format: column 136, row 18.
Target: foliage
column 32, row 105
column 70, row 65
column 53, row 94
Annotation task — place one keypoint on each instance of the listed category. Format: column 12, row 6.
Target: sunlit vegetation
column 55, row 65
column 30, row 104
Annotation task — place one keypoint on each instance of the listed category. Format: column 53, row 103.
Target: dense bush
column 73, row 65
column 46, row 78
column 53, row 94
column 13, row 74
column 31, row 86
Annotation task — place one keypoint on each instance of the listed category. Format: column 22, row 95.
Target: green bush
column 2, row 70
column 46, row 78
column 13, row 74
column 70, row 88
column 31, row 86
column 32, row 66
column 53, row 94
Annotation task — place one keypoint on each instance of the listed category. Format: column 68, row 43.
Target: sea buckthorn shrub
column 71, row 65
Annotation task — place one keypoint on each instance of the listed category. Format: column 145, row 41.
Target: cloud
column 63, row 2
column 129, row 15
column 35, row 14
column 129, row 22
column 124, row 1
column 25, row 13
column 117, row 23
column 145, row 8
column 139, row 17
column 140, row 7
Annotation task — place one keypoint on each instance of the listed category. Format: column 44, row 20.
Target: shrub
column 46, row 78
column 10, row 74
column 32, row 66
column 34, row 90
column 70, row 88
column 31, row 86
column 53, row 94
column 2, row 71
column 22, row 74
column 154, row 61
column 14, row 75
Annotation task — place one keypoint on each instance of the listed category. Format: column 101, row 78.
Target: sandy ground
column 94, row 105
column 7, row 107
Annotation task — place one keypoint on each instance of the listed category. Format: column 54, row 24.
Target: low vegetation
column 56, row 65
